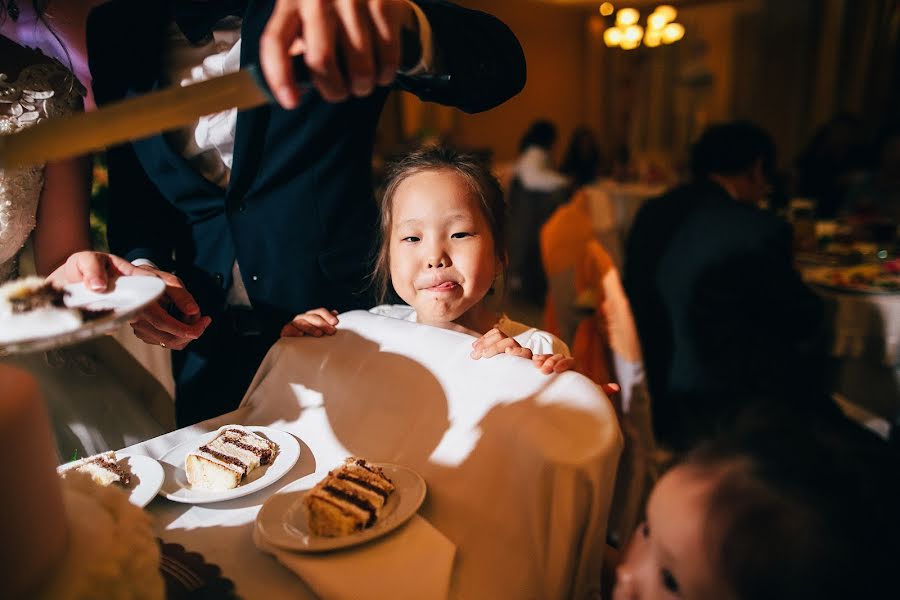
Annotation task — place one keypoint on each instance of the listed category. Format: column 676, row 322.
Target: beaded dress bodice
column 41, row 91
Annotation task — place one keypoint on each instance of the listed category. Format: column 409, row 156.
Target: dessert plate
column 176, row 487
column 146, row 477
column 282, row 520
column 40, row 330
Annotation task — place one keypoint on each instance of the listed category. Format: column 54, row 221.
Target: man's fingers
column 519, row 351
column 276, row 44
column 498, row 348
column 180, row 297
column 386, row 42
column 160, row 319
column 320, row 36
column 355, row 35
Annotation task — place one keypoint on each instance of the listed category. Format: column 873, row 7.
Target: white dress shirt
column 209, row 144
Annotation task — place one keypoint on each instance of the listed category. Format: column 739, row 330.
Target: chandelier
column 627, row 34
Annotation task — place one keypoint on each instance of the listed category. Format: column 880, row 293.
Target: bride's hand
column 95, row 269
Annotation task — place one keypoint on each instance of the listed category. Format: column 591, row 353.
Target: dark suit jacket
column 298, row 213
column 723, row 317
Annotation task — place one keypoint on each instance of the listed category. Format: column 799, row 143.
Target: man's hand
column 174, row 321
column 496, row 342
column 349, row 45
column 316, row 323
column 95, row 269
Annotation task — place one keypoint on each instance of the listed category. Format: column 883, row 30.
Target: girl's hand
column 316, row 323
column 496, row 342
column 553, row 363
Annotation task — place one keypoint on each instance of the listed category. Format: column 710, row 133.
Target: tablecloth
column 519, row 466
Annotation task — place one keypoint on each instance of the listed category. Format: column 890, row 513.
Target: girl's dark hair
column 803, row 511
column 472, row 169
column 541, row 133
column 582, row 159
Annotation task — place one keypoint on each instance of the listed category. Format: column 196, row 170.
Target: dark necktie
column 196, row 18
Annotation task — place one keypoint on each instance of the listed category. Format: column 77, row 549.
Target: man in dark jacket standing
column 723, row 316
column 253, row 217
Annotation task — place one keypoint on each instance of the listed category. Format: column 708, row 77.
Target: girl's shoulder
column 536, row 340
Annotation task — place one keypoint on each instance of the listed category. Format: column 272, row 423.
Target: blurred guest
column 582, row 159
column 877, row 198
column 535, row 191
column 786, row 512
column 835, row 156
column 721, row 313
column 534, row 167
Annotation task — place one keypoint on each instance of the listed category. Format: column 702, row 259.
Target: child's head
column 442, row 216
column 776, row 513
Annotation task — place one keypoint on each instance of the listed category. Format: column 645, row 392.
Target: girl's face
column 442, row 257
column 667, row 557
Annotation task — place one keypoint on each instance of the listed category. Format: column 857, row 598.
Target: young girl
column 774, row 512
column 442, row 250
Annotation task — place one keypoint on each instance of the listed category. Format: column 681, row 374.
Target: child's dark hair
column 472, row 169
column 802, row 511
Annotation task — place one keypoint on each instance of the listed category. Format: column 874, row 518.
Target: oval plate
column 282, row 521
column 176, row 487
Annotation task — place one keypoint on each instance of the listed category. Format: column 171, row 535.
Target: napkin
column 412, row 562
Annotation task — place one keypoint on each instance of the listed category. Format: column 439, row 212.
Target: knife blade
column 137, row 117
column 142, row 116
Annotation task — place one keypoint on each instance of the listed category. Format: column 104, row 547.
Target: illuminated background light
column 627, row 16
column 607, row 9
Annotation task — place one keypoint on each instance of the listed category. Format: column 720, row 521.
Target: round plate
column 146, row 478
column 282, row 520
column 34, row 332
column 176, row 487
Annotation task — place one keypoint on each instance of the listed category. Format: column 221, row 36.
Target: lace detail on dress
column 41, row 91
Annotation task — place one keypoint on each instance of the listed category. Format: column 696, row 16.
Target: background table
column 520, row 466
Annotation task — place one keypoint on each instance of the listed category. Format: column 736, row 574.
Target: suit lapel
column 251, row 124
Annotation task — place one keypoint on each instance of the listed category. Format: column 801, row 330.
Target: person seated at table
column 721, row 313
column 442, row 250
column 782, row 512
column 582, row 158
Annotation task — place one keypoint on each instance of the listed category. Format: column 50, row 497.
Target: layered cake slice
column 222, row 463
column 104, row 469
column 349, row 499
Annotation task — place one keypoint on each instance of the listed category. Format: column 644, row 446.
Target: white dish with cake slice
column 31, row 321
column 140, row 476
column 284, row 519
column 216, row 464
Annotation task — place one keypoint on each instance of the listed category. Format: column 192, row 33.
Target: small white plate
column 176, row 487
column 282, row 520
column 146, row 477
column 38, row 331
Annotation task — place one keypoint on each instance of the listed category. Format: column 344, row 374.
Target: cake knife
column 142, row 116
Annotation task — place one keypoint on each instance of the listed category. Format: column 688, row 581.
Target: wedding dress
column 99, row 398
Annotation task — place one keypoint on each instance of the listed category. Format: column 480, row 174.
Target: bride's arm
column 63, row 215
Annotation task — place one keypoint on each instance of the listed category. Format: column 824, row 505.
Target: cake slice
column 222, row 463
column 349, row 499
column 103, row 468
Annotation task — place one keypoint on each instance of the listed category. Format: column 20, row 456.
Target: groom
column 251, row 218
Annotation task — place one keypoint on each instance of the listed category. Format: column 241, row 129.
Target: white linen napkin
column 413, row 562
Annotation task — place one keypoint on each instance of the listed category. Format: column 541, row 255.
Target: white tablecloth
column 866, row 333
column 613, row 208
column 520, row 466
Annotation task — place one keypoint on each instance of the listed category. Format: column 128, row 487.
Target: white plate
column 282, row 520
column 146, row 477
column 37, row 331
column 176, row 486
